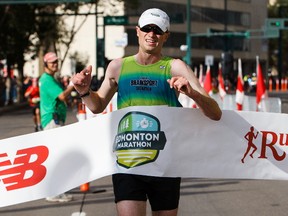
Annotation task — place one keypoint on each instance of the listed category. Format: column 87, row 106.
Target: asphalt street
column 199, row 197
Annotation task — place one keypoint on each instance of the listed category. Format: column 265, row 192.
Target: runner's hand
column 180, row 84
column 82, row 80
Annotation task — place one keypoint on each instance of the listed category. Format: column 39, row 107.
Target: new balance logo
column 26, row 170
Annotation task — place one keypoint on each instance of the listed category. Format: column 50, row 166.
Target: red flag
column 221, row 86
column 240, row 87
column 260, row 87
column 208, row 81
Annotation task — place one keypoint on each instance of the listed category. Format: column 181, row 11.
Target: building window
column 176, row 12
column 211, row 15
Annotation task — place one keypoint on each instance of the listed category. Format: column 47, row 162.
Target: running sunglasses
column 154, row 29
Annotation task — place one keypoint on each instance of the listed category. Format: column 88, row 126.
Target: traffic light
column 276, row 23
column 273, row 26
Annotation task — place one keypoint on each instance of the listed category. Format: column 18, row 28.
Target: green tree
column 16, row 28
column 37, row 28
column 52, row 32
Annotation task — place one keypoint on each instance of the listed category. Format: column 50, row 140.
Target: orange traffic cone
column 81, row 112
column 270, row 84
column 282, row 84
column 82, row 116
column 277, row 84
column 84, row 187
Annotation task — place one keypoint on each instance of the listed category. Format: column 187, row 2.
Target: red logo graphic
column 269, row 139
column 26, row 169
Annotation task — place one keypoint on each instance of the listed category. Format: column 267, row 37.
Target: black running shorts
column 163, row 193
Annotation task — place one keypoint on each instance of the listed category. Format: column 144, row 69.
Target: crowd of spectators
column 9, row 88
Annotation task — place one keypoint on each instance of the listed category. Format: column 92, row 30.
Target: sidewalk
column 12, row 107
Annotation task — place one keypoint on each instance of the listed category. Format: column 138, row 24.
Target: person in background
column 27, row 81
column 14, row 89
column 171, row 77
column 53, row 108
column 8, row 96
column 2, row 91
column 33, row 95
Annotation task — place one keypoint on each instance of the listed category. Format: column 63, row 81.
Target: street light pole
column 188, row 37
column 280, row 14
column 225, row 26
column 96, row 38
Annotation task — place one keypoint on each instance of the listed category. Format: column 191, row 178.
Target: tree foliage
column 38, row 28
column 16, row 28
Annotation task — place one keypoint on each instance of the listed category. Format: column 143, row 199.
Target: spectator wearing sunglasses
column 53, row 107
column 145, row 79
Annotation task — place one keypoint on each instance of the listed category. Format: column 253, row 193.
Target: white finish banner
column 158, row 141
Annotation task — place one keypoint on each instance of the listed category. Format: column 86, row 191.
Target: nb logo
column 26, row 169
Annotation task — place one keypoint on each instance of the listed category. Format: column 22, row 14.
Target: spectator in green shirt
column 53, row 104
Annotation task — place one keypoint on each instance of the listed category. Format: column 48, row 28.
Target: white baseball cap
column 155, row 16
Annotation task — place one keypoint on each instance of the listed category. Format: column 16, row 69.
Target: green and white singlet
column 145, row 85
